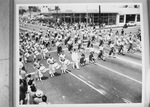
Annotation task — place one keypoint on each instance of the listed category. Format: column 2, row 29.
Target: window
column 121, row 19
column 138, row 18
column 108, row 18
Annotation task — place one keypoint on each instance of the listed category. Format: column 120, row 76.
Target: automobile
column 131, row 23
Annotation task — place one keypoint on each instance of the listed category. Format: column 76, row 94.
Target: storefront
column 107, row 16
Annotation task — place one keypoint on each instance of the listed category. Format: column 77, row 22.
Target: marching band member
column 89, row 43
column 112, row 49
column 75, row 59
column 26, row 56
column 101, row 53
column 92, row 48
column 70, row 46
column 121, row 47
column 59, row 49
column 109, row 39
column 51, row 62
column 79, row 44
column 130, row 44
column 91, row 57
column 101, row 41
column 64, row 62
column 38, row 74
column 75, row 38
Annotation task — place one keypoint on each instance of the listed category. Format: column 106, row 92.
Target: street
column 116, row 80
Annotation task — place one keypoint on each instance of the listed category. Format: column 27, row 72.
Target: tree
column 57, row 9
column 33, row 9
column 22, row 11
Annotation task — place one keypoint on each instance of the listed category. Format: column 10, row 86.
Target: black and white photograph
column 79, row 53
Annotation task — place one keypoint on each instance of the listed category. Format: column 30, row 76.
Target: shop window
column 121, row 19
column 138, row 18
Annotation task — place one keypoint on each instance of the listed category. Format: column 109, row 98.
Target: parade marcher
column 91, row 57
column 130, row 45
column 121, row 47
column 26, row 56
column 91, row 48
column 65, row 62
column 79, row 44
column 44, row 52
column 75, row 59
column 52, row 41
column 38, row 74
column 101, row 41
column 89, row 43
column 122, row 32
column 70, row 46
column 59, row 49
column 75, row 39
column 92, row 37
column 51, row 62
column 109, row 39
column 101, row 53
column 112, row 50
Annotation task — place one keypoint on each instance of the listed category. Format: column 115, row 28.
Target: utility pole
column 99, row 16
column 87, row 15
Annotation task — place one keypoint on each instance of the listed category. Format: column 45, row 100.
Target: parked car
column 131, row 23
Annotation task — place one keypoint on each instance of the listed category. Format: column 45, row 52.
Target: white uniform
column 75, row 59
column 50, row 61
column 62, row 60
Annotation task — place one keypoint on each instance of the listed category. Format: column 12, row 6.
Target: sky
column 86, row 7
column 78, row 7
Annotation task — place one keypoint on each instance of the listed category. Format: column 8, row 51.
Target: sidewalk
column 115, row 26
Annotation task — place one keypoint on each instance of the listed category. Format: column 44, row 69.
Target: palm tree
column 57, row 9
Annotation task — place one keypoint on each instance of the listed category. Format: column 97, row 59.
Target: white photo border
column 16, row 55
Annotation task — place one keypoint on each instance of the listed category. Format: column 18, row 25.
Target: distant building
column 108, row 15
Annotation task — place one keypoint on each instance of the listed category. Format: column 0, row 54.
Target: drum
column 45, row 51
column 36, row 53
column 43, row 69
column 67, row 62
column 56, row 66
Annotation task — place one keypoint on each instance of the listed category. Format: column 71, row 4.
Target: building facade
column 108, row 16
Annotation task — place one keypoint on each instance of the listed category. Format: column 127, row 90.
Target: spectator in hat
column 38, row 97
column 32, row 94
column 23, row 91
column 44, row 100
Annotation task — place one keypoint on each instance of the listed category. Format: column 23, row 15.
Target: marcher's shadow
column 68, row 70
column 44, row 78
column 57, row 74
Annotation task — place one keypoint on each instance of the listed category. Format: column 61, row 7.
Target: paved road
column 117, row 80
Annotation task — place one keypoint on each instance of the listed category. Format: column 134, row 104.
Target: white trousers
column 76, row 63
